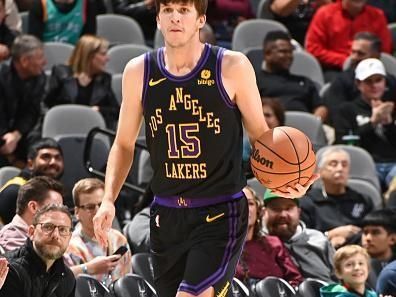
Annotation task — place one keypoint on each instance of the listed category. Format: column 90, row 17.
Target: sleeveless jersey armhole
column 219, row 81
column 146, row 76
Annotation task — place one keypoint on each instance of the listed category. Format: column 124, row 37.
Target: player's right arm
column 122, row 150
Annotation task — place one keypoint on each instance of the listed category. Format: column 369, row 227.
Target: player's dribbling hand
column 103, row 220
column 299, row 190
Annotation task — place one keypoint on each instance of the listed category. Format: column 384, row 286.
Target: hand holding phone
column 121, row 250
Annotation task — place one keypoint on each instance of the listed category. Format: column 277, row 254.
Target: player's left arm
column 239, row 81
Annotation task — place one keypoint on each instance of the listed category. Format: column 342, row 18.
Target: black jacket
column 28, row 277
column 63, row 89
column 19, row 100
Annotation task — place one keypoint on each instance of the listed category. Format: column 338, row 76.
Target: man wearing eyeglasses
column 33, row 195
column 37, row 268
column 85, row 253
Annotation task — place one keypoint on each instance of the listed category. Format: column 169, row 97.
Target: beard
column 49, row 252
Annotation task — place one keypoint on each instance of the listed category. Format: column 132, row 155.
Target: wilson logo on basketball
column 263, row 161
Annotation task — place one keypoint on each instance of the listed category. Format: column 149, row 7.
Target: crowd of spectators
column 313, row 237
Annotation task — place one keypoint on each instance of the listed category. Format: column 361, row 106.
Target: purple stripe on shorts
column 188, row 76
column 219, row 81
column 215, row 277
column 145, row 77
column 183, row 202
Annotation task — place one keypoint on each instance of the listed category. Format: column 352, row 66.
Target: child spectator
column 351, row 264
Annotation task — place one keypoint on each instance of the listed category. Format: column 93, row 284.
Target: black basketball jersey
column 193, row 129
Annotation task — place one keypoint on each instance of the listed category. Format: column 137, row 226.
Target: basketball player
column 193, row 97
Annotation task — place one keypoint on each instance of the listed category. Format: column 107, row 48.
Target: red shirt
column 331, row 32
column 267, row 256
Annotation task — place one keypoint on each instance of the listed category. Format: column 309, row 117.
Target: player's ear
column 202, row 21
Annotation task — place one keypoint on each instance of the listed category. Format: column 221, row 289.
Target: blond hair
column 86, row 48
column 85, row 186
column 345, row 253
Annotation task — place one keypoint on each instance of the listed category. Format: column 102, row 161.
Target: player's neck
column 182, row 60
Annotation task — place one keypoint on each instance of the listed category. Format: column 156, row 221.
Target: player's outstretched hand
column 299, row 190
column 103, row 220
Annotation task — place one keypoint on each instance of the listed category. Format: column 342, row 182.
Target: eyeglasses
column 90, row 206
column 48, row 228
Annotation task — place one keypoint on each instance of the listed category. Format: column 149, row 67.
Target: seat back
column 310, row 287
column 6, row 173
column 116, row 85
column 256, row 186
column 71, row 119
column 362, row 164
column 388, row 60
column 305, row 64
column 88, row 286
column 25, row 21
column 238, row 289
column 132, row 285
column 263, row 10
column 274, row 287
column 119, row 29
column 142, row 264
column 57, row 53
column 309, row 124
column 251, row 33
column 119, row 56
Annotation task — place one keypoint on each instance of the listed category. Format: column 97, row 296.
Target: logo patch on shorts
column 223, row 292
column 210, row 219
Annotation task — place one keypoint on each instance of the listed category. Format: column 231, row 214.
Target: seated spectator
column 386, row 280
column 7, row 35
column 343, row 88
column 142, row 11
column 22, row 86
column 295, row 15
column 3, row 270
column 379, row 238
column 352, row 266
column 63, row 21
column 335, row 208
column 294, row 92
column 263, row 255
column 333, row 26
column 87, row 255
column 84, row 80
column 37, row 268
column 33, row 195
column 44, row 158
column 371, row 117
column 310, row 249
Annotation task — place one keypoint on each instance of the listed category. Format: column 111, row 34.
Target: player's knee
column 209, row 292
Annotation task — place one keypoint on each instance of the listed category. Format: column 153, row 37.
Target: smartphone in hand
column 121, row 250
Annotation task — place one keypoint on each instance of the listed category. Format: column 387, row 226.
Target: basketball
column 282, row 157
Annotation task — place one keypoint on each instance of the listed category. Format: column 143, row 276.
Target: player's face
column 377, row 241
column 282, row 217
column 336, row 169
column 89, row 205
column 354, row 271
column 179, row 23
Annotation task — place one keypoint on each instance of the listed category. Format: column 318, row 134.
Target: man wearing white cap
column 371, row 118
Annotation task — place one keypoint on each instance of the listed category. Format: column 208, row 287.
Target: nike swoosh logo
column 152, row 82
column 211, row 219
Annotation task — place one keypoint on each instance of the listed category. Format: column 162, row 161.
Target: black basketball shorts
column 197, row 248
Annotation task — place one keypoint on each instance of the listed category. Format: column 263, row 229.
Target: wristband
column 84, row 269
